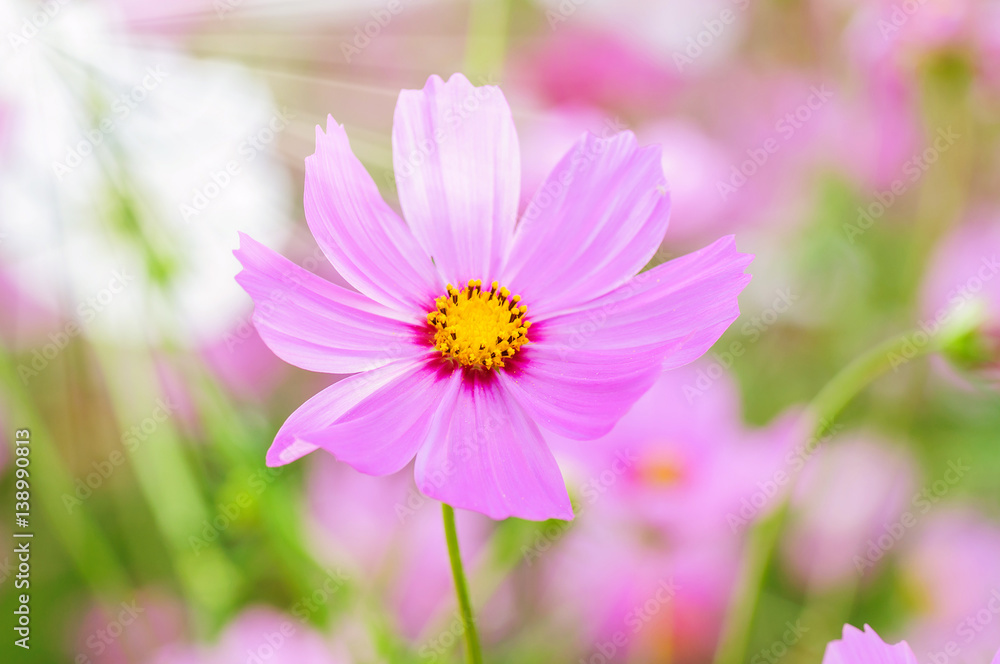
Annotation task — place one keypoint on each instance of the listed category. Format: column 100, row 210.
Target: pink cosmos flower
column 694, row 165
column 963, row 281
column 857, row 647
column 667, row 495
column 598, row 68
column 682, row 461
column 469, row 327
column 259, row 634
column 242, row 363
column 949, row 564
column 834, row 530
column 149, row 622
column 544, row 135
column 389, row 516
column 630, row 595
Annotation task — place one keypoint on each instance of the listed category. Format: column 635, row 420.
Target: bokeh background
column 852, row 146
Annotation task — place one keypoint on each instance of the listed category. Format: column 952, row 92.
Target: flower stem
column 762, row 540
column 764, row 536
column 486, row 41
column 857, row 375
column 473, row 652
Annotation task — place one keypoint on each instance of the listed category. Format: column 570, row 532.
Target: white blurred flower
column 129, row 167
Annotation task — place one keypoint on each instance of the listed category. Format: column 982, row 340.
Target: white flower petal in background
column 129, row 167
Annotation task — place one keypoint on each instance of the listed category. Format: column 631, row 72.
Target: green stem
column 473, row 651
column 764, row 535
column 167, row 481
column 860, row 373
column 761, row 542
column 81, row 538
column 486, row 43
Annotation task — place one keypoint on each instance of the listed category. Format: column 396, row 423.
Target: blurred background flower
column 852, row 146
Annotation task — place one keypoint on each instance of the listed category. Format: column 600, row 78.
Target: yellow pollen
column 479, row 328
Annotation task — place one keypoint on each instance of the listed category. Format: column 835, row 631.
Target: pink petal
column 685, row 350
column 582, row 371
column 262, row 634
column 316, row 325
column 593, row 224
column 382, row 433
column 580, row 394
column 485, row 454
column 359, row 233
column 857, row 647
column 325, row 408
column 680, row 307
column 457, row 165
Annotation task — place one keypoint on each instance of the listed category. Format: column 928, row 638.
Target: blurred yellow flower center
column 661, row 469
column 479, row 328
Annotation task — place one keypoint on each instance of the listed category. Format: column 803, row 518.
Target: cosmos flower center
column 479, row 328
column 661, row 469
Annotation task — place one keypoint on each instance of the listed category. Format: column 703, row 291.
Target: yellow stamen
column 478, row 328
